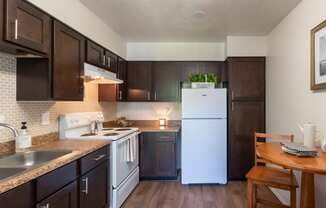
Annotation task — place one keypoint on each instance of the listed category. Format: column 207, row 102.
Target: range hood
column 98, row 75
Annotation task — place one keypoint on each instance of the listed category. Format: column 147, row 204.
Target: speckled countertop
column 79, row 149
column 158, row 128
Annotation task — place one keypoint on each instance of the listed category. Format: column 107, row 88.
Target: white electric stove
column 124, row 158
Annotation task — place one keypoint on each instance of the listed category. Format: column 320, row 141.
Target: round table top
column 272, row 152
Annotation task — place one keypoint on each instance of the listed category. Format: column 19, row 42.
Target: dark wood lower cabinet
column 20, row 197
column 64, row 198
column 158, row 156
column 93, row 188
column 245, row 118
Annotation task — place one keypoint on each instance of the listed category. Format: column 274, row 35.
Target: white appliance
column 99, row 75
column 124, row 158
column 204, row 136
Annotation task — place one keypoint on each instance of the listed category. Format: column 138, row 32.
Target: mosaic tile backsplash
column 15, row 112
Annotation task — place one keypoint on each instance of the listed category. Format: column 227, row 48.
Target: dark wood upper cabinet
column 111, row 61
column 27, row 26
column 122, row 74
column 68, row 63
column 93, row 188
column 64, row 198
column 95, row 54
column 21, row 197
column 166, row 81
column 246, row 78
column 241, row 134
column 139, row 78
column 158, row 155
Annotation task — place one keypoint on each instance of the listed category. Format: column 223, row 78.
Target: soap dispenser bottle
column 24, row 140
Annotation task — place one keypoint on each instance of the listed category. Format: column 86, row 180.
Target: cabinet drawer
column 93, row 159
column 53, row 181
column 165, row 137
column 20, row 197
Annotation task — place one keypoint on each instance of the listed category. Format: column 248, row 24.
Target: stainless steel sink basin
column 14, row 164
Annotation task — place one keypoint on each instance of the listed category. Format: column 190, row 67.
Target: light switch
column 45, row 120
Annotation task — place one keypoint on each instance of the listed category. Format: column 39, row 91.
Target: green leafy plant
column 203, row 77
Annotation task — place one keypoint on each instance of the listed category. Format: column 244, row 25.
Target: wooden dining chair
column 264, row 174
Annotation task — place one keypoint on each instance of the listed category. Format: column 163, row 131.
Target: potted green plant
column 203, row 80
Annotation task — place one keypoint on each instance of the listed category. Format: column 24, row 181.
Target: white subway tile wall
column 16, row 112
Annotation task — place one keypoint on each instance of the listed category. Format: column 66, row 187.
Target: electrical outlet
column 45, row 119
column 2, row 118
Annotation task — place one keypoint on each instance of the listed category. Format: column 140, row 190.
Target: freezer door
column 204, row 151
column 204, row 103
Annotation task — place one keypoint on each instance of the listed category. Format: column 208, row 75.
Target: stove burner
column 111, row 134
column 88, row 134
column 123, row 129
column 108, row 129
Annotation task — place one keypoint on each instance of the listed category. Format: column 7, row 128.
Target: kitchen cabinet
column 111, row 61
column 93, row 188
column 122, row 74
column 26, row 26
column 64, row 198
column 68, row 63
column 166, row 81
column 246, row 78
column 139, row 78
column 246, row 103
column 158, row 155
column 95, row 54
column 25, row 193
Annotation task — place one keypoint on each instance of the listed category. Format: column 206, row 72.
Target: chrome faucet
column 95, row 127
column 11, row 128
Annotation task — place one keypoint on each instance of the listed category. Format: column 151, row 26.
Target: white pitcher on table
column 309, row 134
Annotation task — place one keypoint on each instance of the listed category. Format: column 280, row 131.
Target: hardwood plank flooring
column 152, row 194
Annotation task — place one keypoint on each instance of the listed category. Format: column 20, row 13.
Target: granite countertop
column 158, row 128
column 79, row 149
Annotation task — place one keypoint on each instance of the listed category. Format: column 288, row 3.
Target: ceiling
column 190, row 20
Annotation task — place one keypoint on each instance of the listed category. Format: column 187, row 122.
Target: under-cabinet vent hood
column 98, row 75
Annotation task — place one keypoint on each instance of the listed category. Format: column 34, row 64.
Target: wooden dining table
column 309, row 166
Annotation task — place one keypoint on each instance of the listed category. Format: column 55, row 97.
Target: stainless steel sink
column 14, row 164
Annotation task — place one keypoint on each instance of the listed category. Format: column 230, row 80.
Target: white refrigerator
column 204, row 136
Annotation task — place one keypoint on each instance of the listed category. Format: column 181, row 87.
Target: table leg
column 307, row 190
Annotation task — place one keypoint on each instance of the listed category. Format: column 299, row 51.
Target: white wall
column 175, row 51
column 289, row 99
column 149, row 111
column 246, row 46
column 79, row 17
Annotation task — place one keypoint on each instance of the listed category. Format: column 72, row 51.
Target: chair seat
column 272, row 177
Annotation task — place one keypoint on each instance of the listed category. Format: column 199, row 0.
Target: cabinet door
column 68, row 63
column 246, row 78
column 139, row 81
column 27, row 26
column 25, row 193
column 95, row 54
column 213, row 67
column 245, row 119
column 93, row 188
column 166, row 81
column 64, row 198
column 122, row 74
column 111, row 61
column 158, row 155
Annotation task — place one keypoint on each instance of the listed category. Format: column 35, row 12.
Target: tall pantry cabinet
column 246, row 111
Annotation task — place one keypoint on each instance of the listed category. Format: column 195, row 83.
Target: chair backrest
column 263, row 138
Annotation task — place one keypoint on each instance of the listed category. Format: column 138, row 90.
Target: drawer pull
column 99, row 157
column 16, row 29
column 45, row 206
column 85, row 180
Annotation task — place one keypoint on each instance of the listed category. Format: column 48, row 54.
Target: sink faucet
column 95, row 127
column 11, row 128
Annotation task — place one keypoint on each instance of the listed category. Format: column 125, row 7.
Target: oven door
column 122, row 167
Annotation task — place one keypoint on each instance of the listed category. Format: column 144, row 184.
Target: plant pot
column 206, row 85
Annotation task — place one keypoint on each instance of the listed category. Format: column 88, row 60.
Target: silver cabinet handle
column 232, row 95
column 85, row 180
column 104, row 61
column 109, row 61
column 16, row 29
column 148, row 95
column 155, row 95
column 232, row 106
column 99, row 157
column 45, row 206
column 120, row 95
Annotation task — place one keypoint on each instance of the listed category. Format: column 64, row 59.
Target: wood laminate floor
column 151, row 194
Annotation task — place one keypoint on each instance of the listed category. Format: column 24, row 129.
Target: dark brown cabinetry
column 246, row 111
column 111, row 61
column 27, row 26
column 158, row 155
column 68, row 63
column 166, row 81
column 122, row 74
column 64, row 198
column 93, row 188
column 95, row 54
column 139, row 81
column 25, row 195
